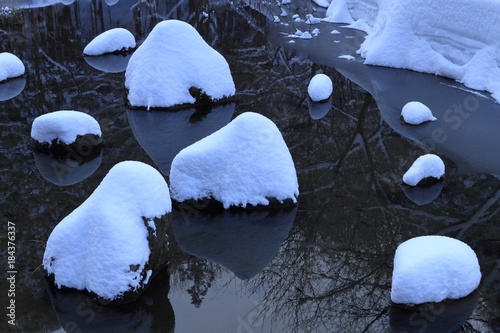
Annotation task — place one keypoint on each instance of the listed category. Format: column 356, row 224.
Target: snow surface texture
column 171, row 60
column 245, row 162
column 452, row 38
column 95, row 246
column 432, row 269
column 416, row 113
column 320, row 88
column 63, row 126
column 10, row 66
column 425, row 166
column 110, row 41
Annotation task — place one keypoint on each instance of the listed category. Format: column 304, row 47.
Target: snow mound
column 424, row 167
column 320, row 88
column 63, row 126
column 113, row 40
column 102, row 246
column 451, row 38
column 173, row 59
column 432, row 269
column 245, row 162
column 416, row 113
column 10, row 66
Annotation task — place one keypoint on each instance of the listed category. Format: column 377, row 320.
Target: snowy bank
column 452, row 38
column 245, row 163
column 10, row 66
column 116, row 40
column 65, row 128
column 432, row 269
column 113, row 242
column 175, row 66
column 426, row 169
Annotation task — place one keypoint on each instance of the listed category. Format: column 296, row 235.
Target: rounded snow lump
column 106, row 245
column 320, row 88
column 173, row 59
column 425, row 167
column 432, row 269
column 10, row 66
column 63, row 127
column 110, row 41
column 416, row 113
column 244, row 163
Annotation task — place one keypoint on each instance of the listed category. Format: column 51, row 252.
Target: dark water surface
column 322, row 267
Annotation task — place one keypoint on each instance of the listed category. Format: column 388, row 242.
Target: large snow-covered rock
column 110, row 41
column 432, row 269
column 10, row 66
column 428, row 167
column 113, row 242
column 452, row 38
column 64, row 127
column 173, row 60
column 245, row 163
column 416, row 113
column 320, row 88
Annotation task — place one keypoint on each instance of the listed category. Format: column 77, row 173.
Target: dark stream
column 324, row 266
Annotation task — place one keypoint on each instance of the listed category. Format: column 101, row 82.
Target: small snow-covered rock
column 10, row 66
column 416, row 113
column 108, row 244
column 244, row 163
column 425, row 168
column 320, row 88
column 173, row 59
column 432, row 269
column 63, row 127
column 310, row 19
column 110, row 41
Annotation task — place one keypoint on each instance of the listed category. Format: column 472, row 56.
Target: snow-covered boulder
column 452, row 38
column 416, row 113
column 320, row 88
column 65, row 128
column 117, row 40
column 114, row 241
column 10, row 66
column 432, row 269
column 244, row 163
column 175, row 66
column 426, row 169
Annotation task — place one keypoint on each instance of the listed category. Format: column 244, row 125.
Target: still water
column 324, row 266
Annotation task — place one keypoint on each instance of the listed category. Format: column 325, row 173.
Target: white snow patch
column 320, row 88
column 63, row 126
column 425, row 166
column 245, row 162
column 315, row 32
column 335, row 32
column 416, row 113
column 451, row 38
column 346, row 56
column 172, row 59
column 310, row 19
column 322, row 3
column 432, row 269
column 10, row 66
column 276, row 19
column 110, row 41
column 94, row 247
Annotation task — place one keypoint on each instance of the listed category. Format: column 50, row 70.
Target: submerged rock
column 62, row 128
column 117, row 40
column 432, row 269
column 174, row 67
column 114, row 242
column 318, row 110
column 244, row 164
column 109, row 63
column 426, row 169
column 11, row 88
